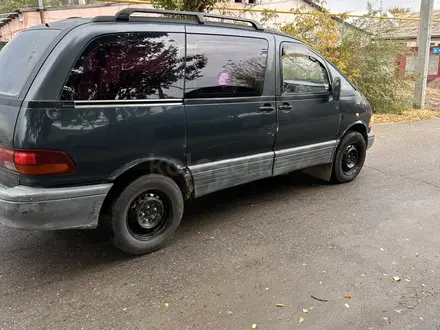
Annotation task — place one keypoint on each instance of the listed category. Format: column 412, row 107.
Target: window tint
column 303, row 74
column 19, row 57
column 129, row 66
column 345, row 84
column 234, row 66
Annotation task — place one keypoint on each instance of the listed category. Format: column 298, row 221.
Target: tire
column 350, row 157
column 145, row 216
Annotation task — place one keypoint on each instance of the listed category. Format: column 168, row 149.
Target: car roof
column 70, row 23
column 67, row 23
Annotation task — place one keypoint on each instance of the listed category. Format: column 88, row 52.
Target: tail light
column 36, row 162
column 370, row 125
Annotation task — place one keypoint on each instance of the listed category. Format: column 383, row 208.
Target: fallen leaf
column 166, row 305
column 394, row 263
column 124, row 309
column 254, row 326
column 423, row 285
column 347, row 305
column 421, row 318
column 407, row 280
column 382, row 249
column 305, row 310
column 398, row 311
column 396, row 279
column 311, row 308
column 229, row 312
column 301, row 320
column 280, row 305
column 347, row 296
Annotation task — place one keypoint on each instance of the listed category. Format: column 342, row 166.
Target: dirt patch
column 406, row 116
column 433, row 94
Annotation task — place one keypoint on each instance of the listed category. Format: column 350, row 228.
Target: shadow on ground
column 52, row 256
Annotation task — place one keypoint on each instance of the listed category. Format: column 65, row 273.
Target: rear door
column 230, row 107
column 307, row 113
column 18, row 60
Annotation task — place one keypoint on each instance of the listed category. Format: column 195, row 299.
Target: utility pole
column 424, row 43
column 41, row 10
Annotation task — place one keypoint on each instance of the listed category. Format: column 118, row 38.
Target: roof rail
column 124, row 15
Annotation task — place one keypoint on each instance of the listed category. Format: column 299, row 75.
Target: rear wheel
column 146, row 214
column 350, row 157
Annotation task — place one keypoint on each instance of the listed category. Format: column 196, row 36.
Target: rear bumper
column 52, row 209
column 371, row 139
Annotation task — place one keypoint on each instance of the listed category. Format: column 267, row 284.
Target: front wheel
column 146, row 214
column 350, row 158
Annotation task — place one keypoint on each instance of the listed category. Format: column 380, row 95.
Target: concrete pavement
column 240, row 252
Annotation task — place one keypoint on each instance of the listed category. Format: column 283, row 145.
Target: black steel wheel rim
column 149, row 215
column 351, row 158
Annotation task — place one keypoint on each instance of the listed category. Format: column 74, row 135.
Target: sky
column 360, row 5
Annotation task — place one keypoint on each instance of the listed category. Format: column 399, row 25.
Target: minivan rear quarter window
column 19, row 57
column 129, row 66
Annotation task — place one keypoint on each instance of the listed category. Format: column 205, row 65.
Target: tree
column 363, row 50
column 322, row 31
column 399, row 10
column 8, row 6
column 188, row 5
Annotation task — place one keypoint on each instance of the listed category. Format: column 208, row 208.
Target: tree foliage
column 399, row 10
column 188, row 5
column 8, row 6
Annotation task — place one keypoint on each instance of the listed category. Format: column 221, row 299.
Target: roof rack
column 124, row 15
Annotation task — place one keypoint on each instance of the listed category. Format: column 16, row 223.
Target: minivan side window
column 234, row 66
column 303, row 74
column 345, row 84
column 129, row 66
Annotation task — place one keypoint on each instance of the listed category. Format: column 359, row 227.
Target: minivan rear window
column 19, row 57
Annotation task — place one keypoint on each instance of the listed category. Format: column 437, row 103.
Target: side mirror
column 336, row 88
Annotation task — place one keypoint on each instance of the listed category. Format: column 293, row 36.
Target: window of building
column 303, row 74
column 129, row 66
column 234, row 66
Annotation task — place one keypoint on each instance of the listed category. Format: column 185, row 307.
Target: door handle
column 285, row 107
column 267, row 108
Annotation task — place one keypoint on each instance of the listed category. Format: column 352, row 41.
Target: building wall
column 30, row 18
column 279, row 5
column 10, row 30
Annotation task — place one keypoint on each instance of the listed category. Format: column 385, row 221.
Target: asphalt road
column 240, row 252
